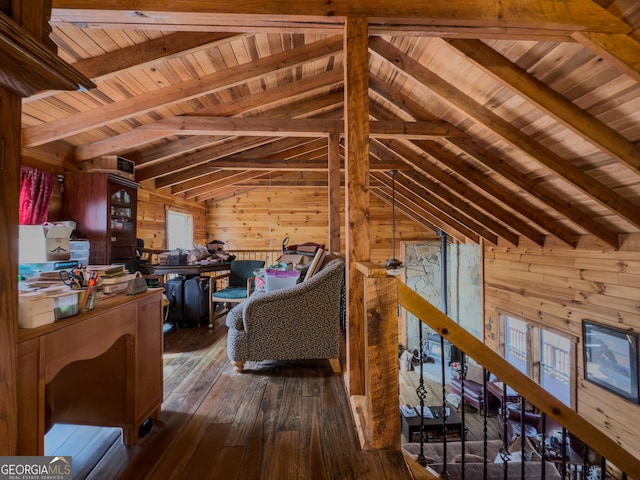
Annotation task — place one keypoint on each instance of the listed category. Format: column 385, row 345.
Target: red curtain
column 36, row 189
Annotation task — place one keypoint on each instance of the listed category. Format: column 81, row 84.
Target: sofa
column 532, row 424
column 474, row 461
column 513, row 424
column 473, row 386
column 294, row 323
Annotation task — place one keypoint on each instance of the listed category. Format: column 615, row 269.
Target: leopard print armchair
column 294, row 323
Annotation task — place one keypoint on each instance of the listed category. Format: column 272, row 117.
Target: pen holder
column 88, row 299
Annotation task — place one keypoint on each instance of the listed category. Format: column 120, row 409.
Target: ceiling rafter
column 495, row 182
column 415, row 213
column 98, row 117
column 504, row 169
column 141, row 135
column 568, row 15
column 553, row 103
column 437, row 216
column 596, row 190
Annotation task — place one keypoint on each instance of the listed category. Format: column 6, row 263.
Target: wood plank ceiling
column 503, row 119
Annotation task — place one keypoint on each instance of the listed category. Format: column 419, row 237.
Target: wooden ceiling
column 503, row 119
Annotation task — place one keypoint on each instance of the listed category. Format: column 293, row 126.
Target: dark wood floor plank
column 206, row 453
column 229, row 465
column 191, row 431
column 247, row 413
column 280, row 466
column 317, row 470
column 278, row 420
column 252, row 459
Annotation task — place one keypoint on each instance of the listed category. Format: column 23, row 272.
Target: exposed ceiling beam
column 621, row 50
column 545, row 156
column 552, row 102
column 189, row 161
column 408, row 200
column 139, row 136
column 569, row 14
column 532, row 187
column 488, row 205
column 181, row 92
column 105, row 66
column 285, row 127
column 444, row 205
column 503, row 168
column 412, row 213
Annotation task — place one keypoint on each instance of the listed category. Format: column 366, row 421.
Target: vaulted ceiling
column 502, row 119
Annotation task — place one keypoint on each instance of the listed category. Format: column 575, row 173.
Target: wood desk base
column 103, row 367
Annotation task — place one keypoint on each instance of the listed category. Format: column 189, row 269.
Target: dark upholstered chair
column 293, row 323
column 240, row 283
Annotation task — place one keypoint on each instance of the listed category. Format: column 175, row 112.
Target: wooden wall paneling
column 357, row 191
column 152, row 208
column 559, row 287
column 9, row 195
column 243, row 221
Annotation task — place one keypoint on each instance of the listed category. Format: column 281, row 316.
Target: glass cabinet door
column 122, row 221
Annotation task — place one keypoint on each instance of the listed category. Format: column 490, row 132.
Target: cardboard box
column 293, row 259
column 32, row 244
column 58, row 247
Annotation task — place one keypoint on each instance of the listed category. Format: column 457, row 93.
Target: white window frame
column 185, row 225
column 534, row 350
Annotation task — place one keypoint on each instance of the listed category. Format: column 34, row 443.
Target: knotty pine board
column 558, row 287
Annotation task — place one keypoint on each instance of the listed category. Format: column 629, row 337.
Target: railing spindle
column 445, row 473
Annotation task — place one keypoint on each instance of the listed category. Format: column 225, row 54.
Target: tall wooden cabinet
column 103, row 205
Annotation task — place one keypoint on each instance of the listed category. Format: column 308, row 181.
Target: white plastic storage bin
column 65, row 304
column 277, row 279
column 80, row 251
column 35, row 310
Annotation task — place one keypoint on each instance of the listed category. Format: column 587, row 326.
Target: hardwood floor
column 278, row 420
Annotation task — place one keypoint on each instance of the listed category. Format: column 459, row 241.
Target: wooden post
column 381, row 372
column 356, row 92
column 10, row 108
column 334, row 192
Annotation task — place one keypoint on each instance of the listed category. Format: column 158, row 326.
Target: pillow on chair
column 475, row 373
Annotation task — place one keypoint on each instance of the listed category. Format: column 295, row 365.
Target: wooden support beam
column 615, row 202
column 552, row 102
column 621, row 50
column 503, row 168
column 382, row 377
column 549, row 14
column 334, row 208
column 139, row 136
column 284, row 127
column 406, row 198
column 356, row 128
column 9, row 199
column 545, row 195
column 28, row 67
column 180, row 92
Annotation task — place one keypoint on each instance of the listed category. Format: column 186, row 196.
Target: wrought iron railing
column 578, row 454
column 550, row 448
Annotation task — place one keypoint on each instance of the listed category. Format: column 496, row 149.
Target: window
column 555, row 365
column 179, row 230
column 543, row 354
column 515, row 351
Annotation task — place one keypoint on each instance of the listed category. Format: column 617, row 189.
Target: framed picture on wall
column 611, row 359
